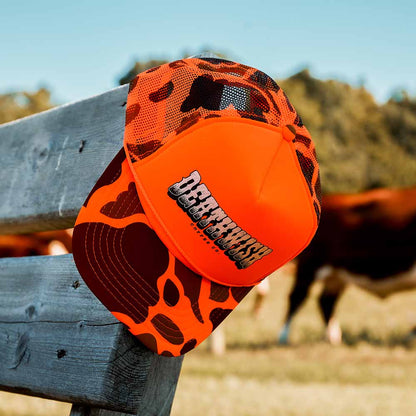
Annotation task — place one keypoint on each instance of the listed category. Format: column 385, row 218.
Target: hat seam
column 107, row 281
column 270, row 166
column 153, row 294
column 172, row 138
column 310, row 204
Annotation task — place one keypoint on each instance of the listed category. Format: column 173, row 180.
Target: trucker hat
column 216, row 187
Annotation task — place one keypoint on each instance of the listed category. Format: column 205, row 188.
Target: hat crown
column 169, row 99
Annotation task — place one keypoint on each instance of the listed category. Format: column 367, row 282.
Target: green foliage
column 21, row 104
column 141, row 66
column 360, row 143
column 401, row 120
column 138, row 67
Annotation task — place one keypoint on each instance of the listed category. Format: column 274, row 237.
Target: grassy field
column 373, row 373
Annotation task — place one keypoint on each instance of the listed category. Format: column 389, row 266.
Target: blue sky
column 80, row 48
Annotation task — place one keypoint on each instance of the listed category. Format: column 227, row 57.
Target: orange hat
column 216, row 187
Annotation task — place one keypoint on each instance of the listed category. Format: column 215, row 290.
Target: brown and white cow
column 367, row 239
column 36, row 244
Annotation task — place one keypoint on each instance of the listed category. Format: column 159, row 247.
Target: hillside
column 360, row 143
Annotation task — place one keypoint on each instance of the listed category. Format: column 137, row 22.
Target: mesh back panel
column 170, row 98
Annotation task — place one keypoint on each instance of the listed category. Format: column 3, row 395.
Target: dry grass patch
column 249, row 397
column 19, row 405
column 374, row 375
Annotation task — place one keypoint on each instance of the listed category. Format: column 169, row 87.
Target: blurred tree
column 400, row 117
column 360, row 144
column 138, row 67
column 21, row 104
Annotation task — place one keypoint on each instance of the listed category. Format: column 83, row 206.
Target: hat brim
column 167, row 306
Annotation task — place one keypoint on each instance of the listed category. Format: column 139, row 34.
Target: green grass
column 373, row 373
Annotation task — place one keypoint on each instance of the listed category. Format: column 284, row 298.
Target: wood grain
column 50, row 161
column 58, row 341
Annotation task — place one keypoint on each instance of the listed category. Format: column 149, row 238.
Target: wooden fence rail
column 50, row 161
column 56, row 339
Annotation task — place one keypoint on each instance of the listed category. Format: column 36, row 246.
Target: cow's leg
column 304, row 278
column 216, row 341
column 262, row 290
column 331, row 293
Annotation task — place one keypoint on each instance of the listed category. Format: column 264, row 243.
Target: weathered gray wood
column 50, row 161
column 79, row 410
column 58, row 341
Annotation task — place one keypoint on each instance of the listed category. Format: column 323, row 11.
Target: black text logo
column 196, row 200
